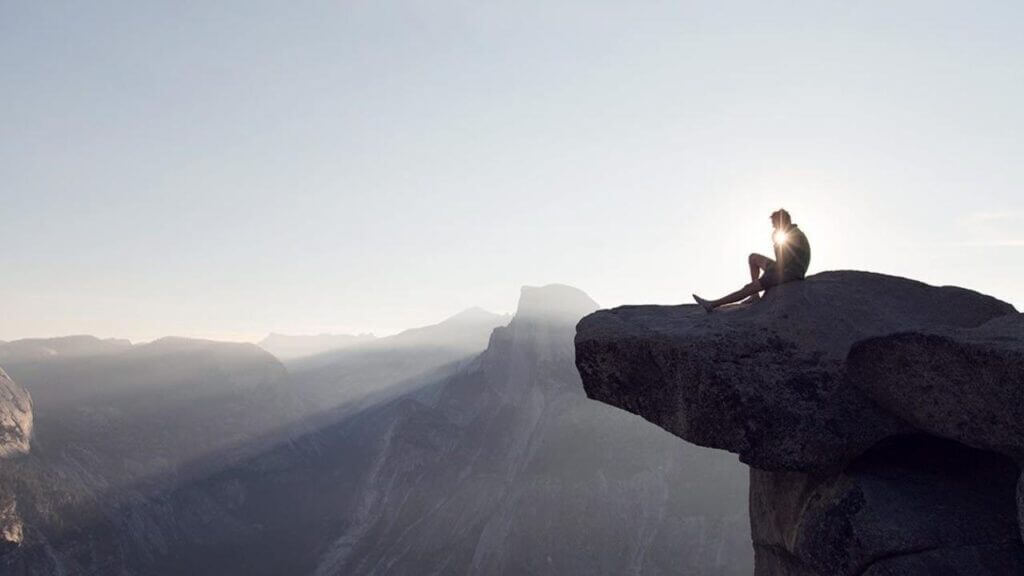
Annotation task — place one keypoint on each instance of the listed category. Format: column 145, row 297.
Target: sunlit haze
column 230, row 169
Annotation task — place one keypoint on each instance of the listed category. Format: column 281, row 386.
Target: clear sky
column 224, row 169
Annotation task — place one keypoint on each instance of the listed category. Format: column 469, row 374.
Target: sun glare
column 780, row 237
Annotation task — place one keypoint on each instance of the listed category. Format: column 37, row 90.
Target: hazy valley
column 464, row 447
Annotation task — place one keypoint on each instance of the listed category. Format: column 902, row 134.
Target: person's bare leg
column 748, row 290
column 757, row 263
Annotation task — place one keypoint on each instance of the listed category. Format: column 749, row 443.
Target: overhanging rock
column 883, row 418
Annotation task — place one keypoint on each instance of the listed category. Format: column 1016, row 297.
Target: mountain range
column 467, row 447
column 290, row 346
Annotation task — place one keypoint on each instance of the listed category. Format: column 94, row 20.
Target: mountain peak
column 474, row 315
column 554, row 300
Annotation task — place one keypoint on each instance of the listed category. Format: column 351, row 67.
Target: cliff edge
column 883, row 418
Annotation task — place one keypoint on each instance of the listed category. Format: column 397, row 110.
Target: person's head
column 781, row 219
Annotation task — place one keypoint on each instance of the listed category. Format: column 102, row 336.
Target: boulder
column 883, row 418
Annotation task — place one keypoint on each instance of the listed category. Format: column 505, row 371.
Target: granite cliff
column 15, row 435
column 882, row 418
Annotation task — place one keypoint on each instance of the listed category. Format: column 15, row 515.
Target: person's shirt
column 794, row 255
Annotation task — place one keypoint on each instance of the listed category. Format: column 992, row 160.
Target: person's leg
column 748, row 290
column 758, row 262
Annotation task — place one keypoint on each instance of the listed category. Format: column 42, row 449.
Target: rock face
column 15, row 435
column 505, row 467
column 15, row 417
column 973, row 380
column 883, row 418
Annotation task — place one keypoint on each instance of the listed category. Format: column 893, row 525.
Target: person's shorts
column 775, row 275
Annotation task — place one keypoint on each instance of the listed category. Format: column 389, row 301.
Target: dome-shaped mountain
column 554, row 301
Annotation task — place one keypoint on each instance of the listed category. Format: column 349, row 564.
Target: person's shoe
column 704, row 304
column 752, row 299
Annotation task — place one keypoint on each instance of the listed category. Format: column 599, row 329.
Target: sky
column 228, row 169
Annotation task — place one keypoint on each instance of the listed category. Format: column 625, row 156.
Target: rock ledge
column 883, row 418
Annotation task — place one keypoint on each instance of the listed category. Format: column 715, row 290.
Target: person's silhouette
column 792, row 256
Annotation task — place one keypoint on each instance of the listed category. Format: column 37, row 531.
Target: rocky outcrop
column 15, row 435
column 973, row 381
column 11, row 526
column 883, row 418
column 15, row 417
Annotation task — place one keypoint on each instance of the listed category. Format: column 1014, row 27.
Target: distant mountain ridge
column 372, row 371
column 63, row 346
column 505, row 467
column 467, row 330
column 463, row 447
column 290, row 346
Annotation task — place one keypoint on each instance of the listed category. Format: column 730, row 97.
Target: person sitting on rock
column 792, row 256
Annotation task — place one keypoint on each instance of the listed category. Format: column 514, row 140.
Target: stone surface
column 11, row 526
column 15, row 417
column 883, row 418
column 907, row 495
column 766, row 381
column 15, row 438
column 1020, row 504
column 966, row 385
column 986, row 560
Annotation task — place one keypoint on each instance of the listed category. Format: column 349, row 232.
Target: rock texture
column 973, row 381
column 883, row 418
column 15, row 435
column 15, row 417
